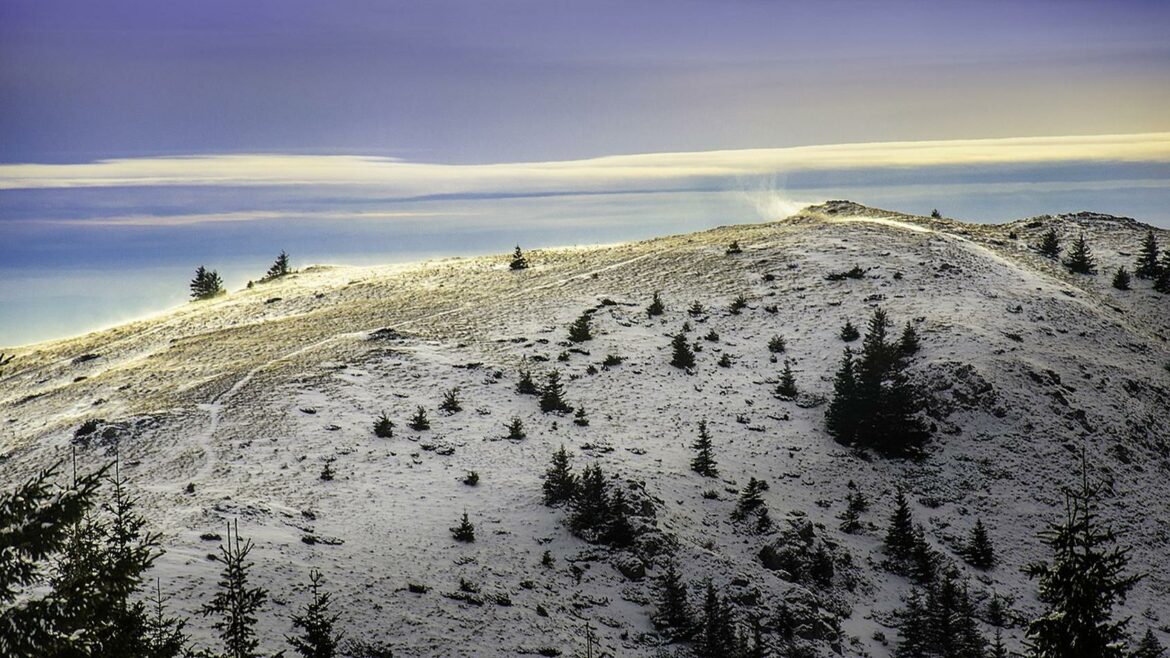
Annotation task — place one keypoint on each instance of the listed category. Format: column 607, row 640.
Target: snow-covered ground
column 247, row 397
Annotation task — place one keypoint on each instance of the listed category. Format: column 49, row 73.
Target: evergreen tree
column 888, row 405
column 787, row 386
column 580, row 418
column 515, row 429
column 206, row 284
column 1149, row 647
column 855, row 504
column 450, row 403
column 681, row 354
column 716, row 636
column 704, row 461
column 842, row 415
column 913, row 629
column 751, row 499
column 166, row 636
column 656, row 306
column 552, row 395
column 849, row 333
column 1121, row 279
column 696, row 309
column 923, row 564
column 1080, row 259
column 1050, row 245
column 590, row 502
column 279, row 268
column 908, row 344
column 580, row 331
column 734, row 248
column 998, row 649
column 465, row 531
column 235, row 604
column 1081, row 584
column 674, row 610
column 1146, row 266
column 525, row 386
column 978, row 552
column 383, row 427
column 899, row 541
column 619, row 532
column 519, row 262
column 559, row 482
column 1162, row 281
column 315, row 621
column 776, row 344
column 419, row 421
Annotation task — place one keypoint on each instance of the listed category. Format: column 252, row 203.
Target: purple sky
column 476, row 81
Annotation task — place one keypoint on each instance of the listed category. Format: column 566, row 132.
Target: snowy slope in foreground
column 249, row 396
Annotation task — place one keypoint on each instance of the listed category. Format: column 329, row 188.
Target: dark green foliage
column 465, row 531
column 1146, row 266
column 525, row 386
column 1082, row 583
column 1121, row 279
column 849, row 333
column 681, row 354
column 384, row 427
column 165, row 635
column 279, row 268
column 733, row 248
column 908, row 344
column 913, row 628
column 317, row 638
column 940, row 622
column 703, row 462
column 206, row 284
column 579, row 418
column 519, row 262
column 854, row 272
column 696, row 309
column 716, row 636
column 935, row 214
column 552, row 395
column 724, row 360
column 874, row 403
column 900, row 538
column 1149, row 647
column 979, row 552
column 547, row 560
column 612, row 360
column 1162, row 282
column 776, row 344
column 787, row 386
column 589, row 506
column 855, row 505
column 738, row 304
column 712, row 336
column 515, row 429
column 751, row 499
column 997, row 649
column 618, row 530
column 923, row 564
column 674, row 610
column 450, row 402
column 235, row 604
column 471, row 479
column 559, row 482
column 656, row 306
column 1080, row 259
column 580, row 331
column 1049, row 246
column 419, row 421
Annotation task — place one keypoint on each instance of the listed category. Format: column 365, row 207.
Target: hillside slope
column 248, row 397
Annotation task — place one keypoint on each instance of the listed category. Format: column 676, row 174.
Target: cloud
column 620, row 172
column 232, row 217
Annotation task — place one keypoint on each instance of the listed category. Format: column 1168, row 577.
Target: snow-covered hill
column 249, row 396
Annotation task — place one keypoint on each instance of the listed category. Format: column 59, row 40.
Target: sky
column 139, row 139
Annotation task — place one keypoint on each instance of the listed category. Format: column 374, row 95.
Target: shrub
column 383, row 427
column 515, row 429
column 738, row 304
column 471, row 479
column 854, row 272
column 733, row 248
column 696, row 309
column 419, row 422
column 656, row 306
column 450, row 402
column 519, row 262
column 849, row 333
column 776, row 345
column 580, row 331
column 612, row 360
column 465, row 531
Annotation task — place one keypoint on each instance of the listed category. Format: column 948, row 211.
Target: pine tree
column 899, row 541
column 716, row 630
column 619, row 532
column 580, row 331
column 317, row 638
column 887, row 404
column 855, row 504
column 279, row 268
column 776, row 344
column 165, row 636
column 787, row 386
column 419, row 421
column 998, row 649
column 681, row 354
column 923, row 564
column 734, row 248
column 738, row 304
column 913, row 629
column 1149, row 647
column 1121, row 279
column 1050, row 245
column 978, row 552
column 552, row 395
column 235, row 604
column 1162, row 281
column 519, row 262
column 1146, row 266
column 515, row 429
column 674, row 610
column 590, row 502
column 656, row 306
column 450, row 403
column 206, row 284
column 384, row 427
column 849, row 333
column 751, row 499
column 696, row 309
column 580, row 419
column 704, row 461
column 1080, row 259
column 465, row 531
column 525, row 386
column 1082, row 583
column 908, row 344
column 559, row 482
column 842, row 415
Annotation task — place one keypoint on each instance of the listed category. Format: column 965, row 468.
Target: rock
column 631, row 567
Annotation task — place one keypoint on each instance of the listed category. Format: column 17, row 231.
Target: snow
column 248, row 398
